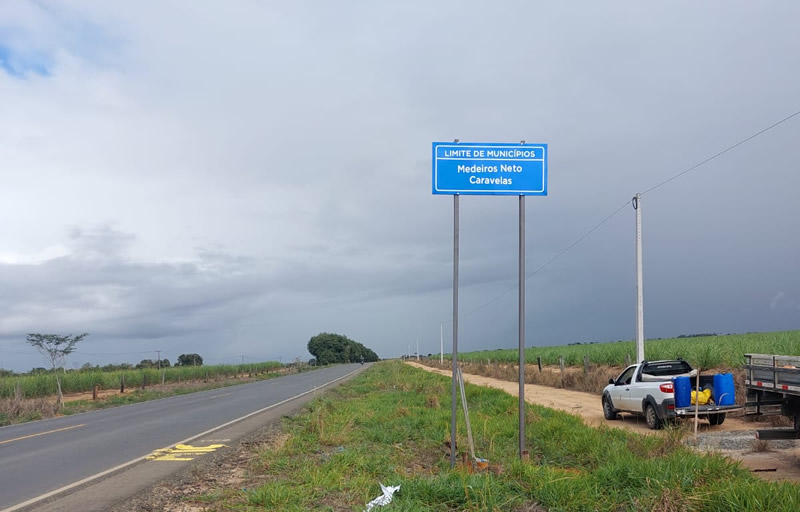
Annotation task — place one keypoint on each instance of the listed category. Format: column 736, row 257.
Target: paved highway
column 40, row 457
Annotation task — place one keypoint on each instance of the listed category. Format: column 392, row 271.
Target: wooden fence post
column 561, row 363
column 122, row 383
column 539, row 362
column 585, row 364
column 627, row 360
column 94, row 392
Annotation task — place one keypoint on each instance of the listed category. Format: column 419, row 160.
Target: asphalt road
column 40, row 457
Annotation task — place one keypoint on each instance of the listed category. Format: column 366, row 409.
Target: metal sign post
column 489, row 169
column 453, row 399
column 522, row 326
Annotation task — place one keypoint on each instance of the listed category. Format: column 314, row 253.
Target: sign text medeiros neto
column 491, row 168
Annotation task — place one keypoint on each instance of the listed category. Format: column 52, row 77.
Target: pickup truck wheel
column 716, row 419
column 608, row 409
column 651, row 417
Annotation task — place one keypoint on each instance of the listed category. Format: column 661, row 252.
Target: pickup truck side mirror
column 611, row 381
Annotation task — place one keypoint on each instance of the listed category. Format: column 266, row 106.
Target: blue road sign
column 489, row 168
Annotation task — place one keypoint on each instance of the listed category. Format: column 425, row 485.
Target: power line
column 615, row 212
column 548, row 262
column 743, row 141
column 579, row 240
column 82, row 353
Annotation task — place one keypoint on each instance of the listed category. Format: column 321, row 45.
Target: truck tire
column 716, row 419
column 608, row 409
column 650, row 415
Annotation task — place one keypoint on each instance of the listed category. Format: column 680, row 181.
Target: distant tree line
column 183, row 360
column 330, row 348
column 149, row 363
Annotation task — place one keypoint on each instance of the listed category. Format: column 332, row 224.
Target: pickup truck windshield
column 666, row 368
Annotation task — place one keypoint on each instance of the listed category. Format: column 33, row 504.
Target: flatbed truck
column 773, row 387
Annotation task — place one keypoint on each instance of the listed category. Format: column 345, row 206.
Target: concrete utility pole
column 639, row 278
column 159, row 358
column 441, row 343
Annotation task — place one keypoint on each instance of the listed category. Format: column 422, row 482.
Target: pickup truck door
column 621, row 391
column 636, row 391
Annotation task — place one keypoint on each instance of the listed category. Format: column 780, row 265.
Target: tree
column 329, row 348
column 189, row 360
column 56, row 349
column 146, row 363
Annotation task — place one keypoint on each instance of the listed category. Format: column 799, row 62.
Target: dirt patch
column 786, row 462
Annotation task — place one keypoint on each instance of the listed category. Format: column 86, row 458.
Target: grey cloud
column 235, row 177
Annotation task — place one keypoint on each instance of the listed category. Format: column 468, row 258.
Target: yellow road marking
column 182, row 452
column 42, row 433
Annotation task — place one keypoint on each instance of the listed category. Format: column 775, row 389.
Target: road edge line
column 124, row 465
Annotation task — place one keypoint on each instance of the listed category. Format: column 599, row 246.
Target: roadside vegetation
column 43, row 384
column 591, row 381
column 391, row 425
column 704, row 351
column 32, row 397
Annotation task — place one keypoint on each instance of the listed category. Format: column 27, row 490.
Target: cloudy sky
column 232, row 178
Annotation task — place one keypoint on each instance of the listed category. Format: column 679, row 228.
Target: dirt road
column 587, row 405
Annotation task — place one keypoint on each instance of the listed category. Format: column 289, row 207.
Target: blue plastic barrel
column 683, row 391
column 724, row 393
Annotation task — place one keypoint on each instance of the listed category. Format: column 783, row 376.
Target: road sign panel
column 489, row 168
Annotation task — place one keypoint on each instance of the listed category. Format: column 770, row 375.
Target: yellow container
column 704, row 396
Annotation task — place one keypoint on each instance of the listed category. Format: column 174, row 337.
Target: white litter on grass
column 383, row 499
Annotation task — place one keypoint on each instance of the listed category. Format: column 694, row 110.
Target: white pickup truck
column 646, row 388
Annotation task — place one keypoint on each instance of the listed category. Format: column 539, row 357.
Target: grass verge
column 391, row 425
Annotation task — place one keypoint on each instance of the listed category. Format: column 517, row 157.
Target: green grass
column 702, row 352
column 390, row 424
column 82, row 381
